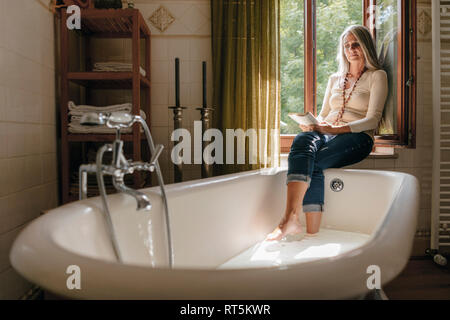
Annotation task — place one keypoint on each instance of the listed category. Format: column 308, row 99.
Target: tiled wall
column 418, row 161
column 28, row 158
column 188, row 37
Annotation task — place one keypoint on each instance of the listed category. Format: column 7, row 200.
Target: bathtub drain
column 337, row 185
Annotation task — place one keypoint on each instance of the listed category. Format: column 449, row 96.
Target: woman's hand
column 306, row 128
column 325, row 128
column 322, row 127
column 311, row 127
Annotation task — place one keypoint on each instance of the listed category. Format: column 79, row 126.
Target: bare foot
column 286, row 227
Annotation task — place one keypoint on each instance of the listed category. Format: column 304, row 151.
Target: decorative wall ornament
column 423, row 24
column 161, row 19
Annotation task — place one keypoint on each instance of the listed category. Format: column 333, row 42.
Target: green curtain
column 246, row 68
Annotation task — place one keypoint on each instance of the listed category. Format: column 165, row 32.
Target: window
column 310, row 31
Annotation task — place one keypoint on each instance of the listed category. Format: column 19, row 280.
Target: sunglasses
column 354, row 45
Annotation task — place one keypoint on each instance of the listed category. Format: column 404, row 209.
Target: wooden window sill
column 379, row 155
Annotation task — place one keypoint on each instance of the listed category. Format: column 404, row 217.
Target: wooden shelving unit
column 104, row 23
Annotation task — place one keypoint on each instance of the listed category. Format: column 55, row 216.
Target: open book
column 304, row 119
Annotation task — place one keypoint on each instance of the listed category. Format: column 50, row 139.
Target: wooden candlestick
column 177, row 124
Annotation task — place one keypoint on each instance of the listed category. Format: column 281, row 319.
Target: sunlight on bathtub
column 328, row 243
column 326, row 250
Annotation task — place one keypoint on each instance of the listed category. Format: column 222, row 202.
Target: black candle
column 177, row 82
column 204, row 84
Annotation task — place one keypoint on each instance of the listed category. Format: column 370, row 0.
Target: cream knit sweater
column 364, row 109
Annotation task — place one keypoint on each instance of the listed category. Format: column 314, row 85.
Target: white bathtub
column 214, row 222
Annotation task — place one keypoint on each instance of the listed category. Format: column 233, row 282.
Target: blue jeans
column 312, row 152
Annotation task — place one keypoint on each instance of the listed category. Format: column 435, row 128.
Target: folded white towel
column 76, row 127
column 116, row 67
column 77, row 111
column 80, row 109
column 77, row 117
column 73, row 128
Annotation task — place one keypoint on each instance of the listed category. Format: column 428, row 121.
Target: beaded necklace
column 344, row 101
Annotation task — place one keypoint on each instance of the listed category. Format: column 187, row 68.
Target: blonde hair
column 362, row 34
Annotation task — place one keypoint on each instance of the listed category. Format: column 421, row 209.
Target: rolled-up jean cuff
column 312, row 207
column 298, row 177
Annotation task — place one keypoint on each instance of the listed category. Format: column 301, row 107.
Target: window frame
column 406, row 72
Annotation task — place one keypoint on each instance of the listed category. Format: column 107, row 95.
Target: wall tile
column 160, row 136
column 46, row 81
column 423, row 157
column 33, row 171
column 365, row 164
column 48, row 197
column 48, row 138
column 159, row 48
column 33, row 140
column 427, row 115
column 16, row 139
column 3, row 63
column 384, row 163
column 424, row 219
column 17, row 177
column 193, row 19
column 48, row 112
column 177, row 9
column 178, row 28
column 18, row 209
column 405, row 158
column 5, row 177
column 200, row 49
column 6, row 241
column 424, row 94
column 160, row 94
column 196, row 95
column 49, row 163
column 160, row 71
column 196, row 71
column 46, row 24
column 205, row 29
column 3, row 140
column 2, row 25
column 423, row 51
column 159, row 116
column 3, row 113
column 48, row 52
column 178, row 48
column 424, row 72
column 204, row 8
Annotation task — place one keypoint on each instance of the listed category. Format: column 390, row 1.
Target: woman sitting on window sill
column 351, row 110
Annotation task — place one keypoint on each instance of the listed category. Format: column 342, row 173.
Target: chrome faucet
column 120, row 166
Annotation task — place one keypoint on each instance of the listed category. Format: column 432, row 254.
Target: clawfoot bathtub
column 218, row 229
